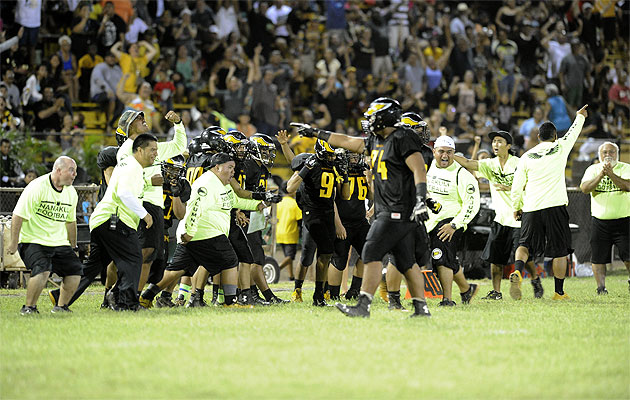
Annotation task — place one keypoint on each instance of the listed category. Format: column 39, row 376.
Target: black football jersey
column 255, row 176
column 239, row 173
column 427, row 154
column 318, row 192
column 353, row 209
column 168, row 207
column 196, row 166
column 394, row 186
column 106, row 158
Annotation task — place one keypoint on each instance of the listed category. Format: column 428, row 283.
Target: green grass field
column 486, row 350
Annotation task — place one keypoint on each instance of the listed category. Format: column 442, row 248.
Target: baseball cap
column 505, row 135
column 586, row 6
column 126, row 119
column 462, row 7
column 444, row 141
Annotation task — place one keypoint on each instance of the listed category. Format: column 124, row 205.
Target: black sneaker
column 53, row 295
column 420, row 309
column 164, row 302
column 538, row 289
column 352, row 294
column 447, row 303
column 196, row 301
column 362, row 309
column 277, row 300
column 472, row 291
column 60, row 309
column 394, row 302
column 335, row 297
column 319, row 302
column 27, row 310
column 180, row 301
column 105, row 303
column 493, row 295
column 244, row 298
column 258, row 301
column 601, row 290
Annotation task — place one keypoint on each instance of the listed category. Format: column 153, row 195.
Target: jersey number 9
column 327, row 184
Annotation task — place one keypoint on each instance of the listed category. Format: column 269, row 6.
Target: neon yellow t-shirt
column 166, row 150
column 45, row 212
column 490, row 168
column 458, row 192
column 127, row 175
column 608, row 201
column 288, row 213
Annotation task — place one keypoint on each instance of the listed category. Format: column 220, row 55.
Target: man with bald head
column 44, row 231
column 608, row 183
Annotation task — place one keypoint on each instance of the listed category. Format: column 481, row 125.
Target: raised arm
column 354, row 144
column 283, row 139
column 471, row 165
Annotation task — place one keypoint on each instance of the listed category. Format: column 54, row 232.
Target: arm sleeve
column 568, row 140
column 193, row 212
column 484, row 169
column 468, row 190
column 518, row 185
column 174, row 147
column 589, row 174
column 245, row 204
column 131, row 202
column 407, row 144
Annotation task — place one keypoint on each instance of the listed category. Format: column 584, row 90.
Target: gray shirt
column 104, row 79
column 574, row 69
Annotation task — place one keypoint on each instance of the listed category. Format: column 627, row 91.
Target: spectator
column 203, row 17
column 186, row 32
column 619, row 94
column 135, row 27
column 382, row 60
column 13, row 92
column 103, row 81
column 166, row 29
column 68, row 131
column 111, row 29
column 334, row 97
column 461, row 57
column 363, row 50
column 227, row 18
column 84, row 29
column 413, row 70
column 234, row 97
column 463, row 130
column 529, row 127
column 278, row 14
column 133, row 63
column 433, row 73
column 459, row 23
column 86, row 66
column 141, row 101
column 557, row 47
column 398, row 24
column 573, row 73
column 28, row 14
column 527, row 44
column 596, row 130
column 32, row 91
column 7, row 122
column 506, row 50
column 48, row 114
column 465, row 92
column 326, row 67
column 10, row 171
column 509, row 16
column 31, row 174
column 557, row 109
column 189, row 70
column 589, row 22
column 244, row 125
column 69, row 67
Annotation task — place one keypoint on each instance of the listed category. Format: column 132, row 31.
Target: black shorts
column 215, row 255
column 58, row 259
column 605, row 233
column 152, row 238
column 321, row 226
column 356, row 234
column 289, row 249
column 422, row 249
column 159, row 264
column 238, row 239
column 445, row 253
column 255, row 241
column 393, row 236
column 308, row 247
column 546, row 232
column 502, row 242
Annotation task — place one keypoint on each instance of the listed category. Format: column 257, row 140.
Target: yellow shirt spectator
column 288, row 213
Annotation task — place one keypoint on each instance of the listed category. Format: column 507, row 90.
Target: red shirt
column 619, row 93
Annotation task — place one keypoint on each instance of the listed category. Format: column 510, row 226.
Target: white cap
column 462, row 7
column 444, row 141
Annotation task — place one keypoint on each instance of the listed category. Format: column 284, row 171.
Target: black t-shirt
column 106, row 158
column 196, row 166
column 362, row 55
column 50, row 124
column 111, row 33
column 353, row 209
column 394, row 185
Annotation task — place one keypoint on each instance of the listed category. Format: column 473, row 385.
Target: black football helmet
column 325, row 152
column 194, row 146
column 173, row 168
column 238, row 143
column 414, row 121
column 382, row 113
column 213, row 137
column 120, row 136
column 262, row 149
column 356, row 162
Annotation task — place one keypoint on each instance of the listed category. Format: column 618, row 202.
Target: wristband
column 303, row 172
column 323, row 135
column 421, row 190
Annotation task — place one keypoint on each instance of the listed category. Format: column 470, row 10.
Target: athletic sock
column 519, row 265
column 268, row 294
column 356, row 283
column 253, row 289
column 299, row 283
column 230, row 299
column 105, row 295
column 334, row 291
column 215, row 289
column 319, row 288
column 184, row 290
column 151, row 292
column 559, row 285
column 395, row 293
column 326, row 287
column 199, row 293
column 370, row 297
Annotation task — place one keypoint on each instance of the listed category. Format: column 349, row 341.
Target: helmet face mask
column 356, row 162
column 414, row 121
column 238, row 143
column 120, row 137
column 262, row 149
column 325, row 152
column 382, row 113
column 173, row 168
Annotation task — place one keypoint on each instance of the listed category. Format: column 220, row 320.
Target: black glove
column 420, row 212
column 267, row 197
column 181, row 189
column 309, row 164
column 433, row 205
column 308, row 131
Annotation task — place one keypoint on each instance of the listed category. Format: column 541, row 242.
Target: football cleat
column 352, row 294
column 361, row 309
column 146, row 303
column 196, row 301
column 447, row 303
column 515, row 285
column 382, row 291
column 394, row 303
column 277, row 300
column 472, row 292
column 60, row 310
column 557, row 296
column 493, row 295
column 296, row 296
column 27, row 310
column 420, row 309
column 164, row 302
column 602, row 290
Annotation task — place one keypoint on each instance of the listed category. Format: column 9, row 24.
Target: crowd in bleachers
column 467, row 68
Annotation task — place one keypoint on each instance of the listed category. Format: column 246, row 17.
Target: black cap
column 219, row 158
column 505, row 135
